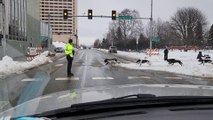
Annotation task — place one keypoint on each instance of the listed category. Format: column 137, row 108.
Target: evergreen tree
column 210, row 41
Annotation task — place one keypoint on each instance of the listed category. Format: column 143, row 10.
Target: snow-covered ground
column 59, row 44
column 191, row 66
column 9, row 66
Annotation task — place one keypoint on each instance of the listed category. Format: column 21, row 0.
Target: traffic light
column 65, row 14
column 113, row 15
column 89, row 14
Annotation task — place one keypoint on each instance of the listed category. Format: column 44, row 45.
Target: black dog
column 203, row 61
column 139, row 61
column 111, row 61
column 172, row 61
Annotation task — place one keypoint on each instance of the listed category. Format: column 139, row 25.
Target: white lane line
column 58, row 65
column 62, row 58
column 173, row 78
column 139, row 77
column 67, row 78
column 84, row 75
column 102, row 78
column 198, row 78
column 28, row 80
column 46, row 97
column 63, row 96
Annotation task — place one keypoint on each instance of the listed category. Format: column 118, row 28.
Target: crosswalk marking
column 139, row 77
column 198, row 78
column 173, row 78
column 102, row 78
column 58, row 65
column 28, row 80
column 62, row 58
column 46, row 97
column 67, row 78
column 63, row 96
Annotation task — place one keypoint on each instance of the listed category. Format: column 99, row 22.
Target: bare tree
column 162, row 30
column 130, row 28
column 185, row 22
column 121, row 32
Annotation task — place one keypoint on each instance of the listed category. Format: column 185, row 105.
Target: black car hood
column 67, row 98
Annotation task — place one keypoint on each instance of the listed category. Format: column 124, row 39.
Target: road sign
column 125, row 17
column 156, row 39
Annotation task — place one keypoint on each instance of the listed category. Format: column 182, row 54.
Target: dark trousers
column 69, row 64
column 165, row 56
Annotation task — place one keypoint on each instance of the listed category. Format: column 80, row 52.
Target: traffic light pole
column 4, row 42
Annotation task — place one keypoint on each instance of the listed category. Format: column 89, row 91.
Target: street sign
column 156, row 39
column 125, row 17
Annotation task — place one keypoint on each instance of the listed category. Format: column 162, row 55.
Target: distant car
column 112, row 49
column 59, row 50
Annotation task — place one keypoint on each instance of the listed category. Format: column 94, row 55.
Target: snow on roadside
column 9, row 66
column 59, row 44
column 191, row 66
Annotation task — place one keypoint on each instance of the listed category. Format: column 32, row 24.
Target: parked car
column 59, row 50
column 112, row 49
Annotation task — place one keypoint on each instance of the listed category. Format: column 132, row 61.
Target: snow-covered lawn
column 191, row 66
column 9, row 66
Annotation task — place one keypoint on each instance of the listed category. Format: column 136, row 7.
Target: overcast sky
column 89, row 30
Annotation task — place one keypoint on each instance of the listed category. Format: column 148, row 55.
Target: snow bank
column 9, row 66
column 191, row 66
column 59, row 44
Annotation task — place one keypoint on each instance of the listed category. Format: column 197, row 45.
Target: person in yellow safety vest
column 69, row 50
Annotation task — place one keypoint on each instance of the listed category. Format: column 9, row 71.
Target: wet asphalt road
column 89, row 71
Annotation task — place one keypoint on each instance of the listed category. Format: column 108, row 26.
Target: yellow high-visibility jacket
column 69, row 50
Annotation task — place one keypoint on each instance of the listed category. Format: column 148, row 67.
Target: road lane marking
column 29, row 80
column 62, row 58
column 59, row 65
column 67, row 78
column 173, row 78
column 63, row 96
column 46, row 97
column 198, row 78
column 102, row 78
column 139, row 77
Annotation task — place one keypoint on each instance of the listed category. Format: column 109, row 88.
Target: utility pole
column 4, row 42
column 151, row 21
column 48, row 33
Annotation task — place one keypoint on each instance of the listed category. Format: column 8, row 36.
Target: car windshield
column 55, row 53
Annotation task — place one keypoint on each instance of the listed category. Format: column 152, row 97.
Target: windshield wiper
column 127, row 102
column 137, row 96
